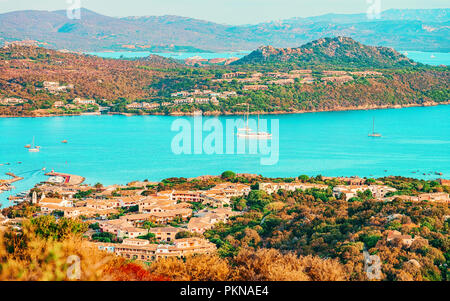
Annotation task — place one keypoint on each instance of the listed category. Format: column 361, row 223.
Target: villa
column 143, row 250
column 11, row 101
column 274, row 187
column 165, row 233
column 351, row 191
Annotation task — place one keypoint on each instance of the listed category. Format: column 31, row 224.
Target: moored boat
column 33, row 148
column 374, row 134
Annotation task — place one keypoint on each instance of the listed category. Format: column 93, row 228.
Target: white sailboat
column 33, row 148
column 373, row 134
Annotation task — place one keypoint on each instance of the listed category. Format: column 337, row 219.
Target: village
column 131, row 222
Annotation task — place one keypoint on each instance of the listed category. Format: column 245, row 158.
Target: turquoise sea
column 119, row 149
column 430, row 58
column 173, row 55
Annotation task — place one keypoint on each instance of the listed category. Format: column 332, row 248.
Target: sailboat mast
column 248, row 113
column 258, row 123
column 373, row 125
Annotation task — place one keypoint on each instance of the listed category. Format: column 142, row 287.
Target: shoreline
column 219, row 113
column 86, row 182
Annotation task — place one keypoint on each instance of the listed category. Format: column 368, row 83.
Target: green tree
column 258, row 199
column 228, row 175
column 303, row 178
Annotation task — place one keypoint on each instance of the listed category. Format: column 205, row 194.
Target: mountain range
column 424, row 30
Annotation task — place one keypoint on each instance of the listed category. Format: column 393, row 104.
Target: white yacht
column 257, row 135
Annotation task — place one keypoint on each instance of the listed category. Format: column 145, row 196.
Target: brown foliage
column 268, row 265
column 194, row 268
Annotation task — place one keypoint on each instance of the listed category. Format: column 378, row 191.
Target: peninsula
column 328, row 74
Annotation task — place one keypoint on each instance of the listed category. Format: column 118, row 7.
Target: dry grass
column 251, row 265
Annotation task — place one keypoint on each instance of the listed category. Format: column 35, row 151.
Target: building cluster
column 141, row 249
column 55, row 87
column 345, row 191
column 350, row 191
column 393, row 236
column 76, row 103
column 12, row 101
column 260, row 79
column 206, row 219
column 130, row 217
column 424, row 197
column 143, row 105
column 81, row 101
column 274, row 187
column 337, row 76
column 201, row 96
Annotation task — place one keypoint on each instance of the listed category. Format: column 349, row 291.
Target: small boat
column 27, row 146
column 33, row 148
column 373, row 134
column 43, row 168
column 433, row 56
column 64, row 141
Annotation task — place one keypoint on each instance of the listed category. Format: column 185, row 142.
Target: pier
column 5, row 185
column 63, row 178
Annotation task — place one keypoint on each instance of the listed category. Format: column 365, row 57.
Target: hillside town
column 143, row 220
column 250, row 81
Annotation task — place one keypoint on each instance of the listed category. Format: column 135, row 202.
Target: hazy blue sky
column 223, row 11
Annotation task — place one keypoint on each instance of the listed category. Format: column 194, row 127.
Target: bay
column 120, row 149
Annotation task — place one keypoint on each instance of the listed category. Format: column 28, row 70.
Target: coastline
column 219, row 113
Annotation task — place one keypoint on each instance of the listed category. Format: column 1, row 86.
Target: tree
column 187, row 234
column 148, row 236
column 49, row 227
column 258, row 199
column 228, row 175
column 303, row 178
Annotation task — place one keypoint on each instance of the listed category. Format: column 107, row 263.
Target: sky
column 235, row 12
